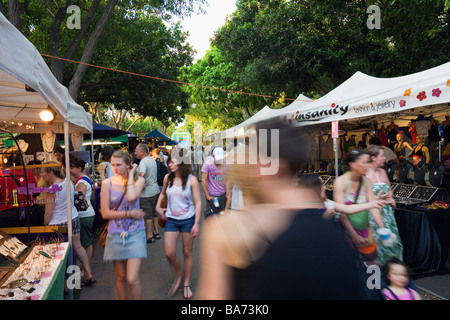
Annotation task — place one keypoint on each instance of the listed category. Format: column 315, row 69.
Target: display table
column 426, row 239
column 40, row 277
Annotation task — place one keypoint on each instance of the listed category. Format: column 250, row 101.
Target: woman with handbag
column 125, row 242
column 182, row 216
column 353, row 187
column 56, row 214
column 83, row 186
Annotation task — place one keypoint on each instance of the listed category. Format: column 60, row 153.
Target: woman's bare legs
column 170, row 248
column 188, row 244
column 127, row 279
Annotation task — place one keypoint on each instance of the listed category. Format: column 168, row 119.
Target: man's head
column 141, row 151
column 218, row 155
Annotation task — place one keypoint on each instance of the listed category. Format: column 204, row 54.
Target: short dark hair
column 58, row 149
column 376, row 140
column 311, row 181
column 387, row 267
column 107, row 152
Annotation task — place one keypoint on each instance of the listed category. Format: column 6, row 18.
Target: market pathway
column 156, row 276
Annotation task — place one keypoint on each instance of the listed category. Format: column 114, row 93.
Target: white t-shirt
column 147, row 166
column 90, row 210
column 60, row 204
column 180, row 202
column 108, row 170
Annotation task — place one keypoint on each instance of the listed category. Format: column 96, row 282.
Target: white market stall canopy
column 265, row 113
column 363, row 96
column 27, row 86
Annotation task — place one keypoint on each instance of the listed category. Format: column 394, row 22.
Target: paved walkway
column 156, row 276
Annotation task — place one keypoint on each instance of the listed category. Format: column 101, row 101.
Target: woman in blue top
column 126, row 243
column 182, row 216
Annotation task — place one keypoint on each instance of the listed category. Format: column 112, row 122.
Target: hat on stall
column 218, row 153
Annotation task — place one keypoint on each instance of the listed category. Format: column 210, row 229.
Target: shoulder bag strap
column 359, row 189
column 393, row 294
column 123, row 195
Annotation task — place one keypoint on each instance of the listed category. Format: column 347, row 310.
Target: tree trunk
column 91, row 45
column 58, row 66
column 150, row 121
column 14, row 13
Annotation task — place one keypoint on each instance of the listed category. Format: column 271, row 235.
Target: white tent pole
column 92, row 166
column 68, row 196
column 335, row 157
column 68, row 182
column 335, row 134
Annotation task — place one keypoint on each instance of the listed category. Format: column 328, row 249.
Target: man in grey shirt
column 149, row 196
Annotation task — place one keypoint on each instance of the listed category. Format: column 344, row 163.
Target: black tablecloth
column 426, row 240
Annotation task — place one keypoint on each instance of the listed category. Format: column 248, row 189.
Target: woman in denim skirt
column 125, row 244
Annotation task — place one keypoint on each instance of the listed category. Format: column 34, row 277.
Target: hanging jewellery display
column 48, row 140
column 77, row 141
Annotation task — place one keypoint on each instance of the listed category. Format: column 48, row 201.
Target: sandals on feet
column 156, row 236
column 151, row 240
column 88, row 283
column 186, row 294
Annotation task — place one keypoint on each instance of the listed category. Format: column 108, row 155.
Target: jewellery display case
column 33, row 272
column 409, row 194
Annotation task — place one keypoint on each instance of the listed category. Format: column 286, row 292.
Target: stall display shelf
column 39, row 276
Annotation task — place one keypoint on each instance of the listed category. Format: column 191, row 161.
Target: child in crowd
column 396, row 274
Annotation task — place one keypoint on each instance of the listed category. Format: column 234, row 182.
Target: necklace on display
column 48, row 141
column 77, row 141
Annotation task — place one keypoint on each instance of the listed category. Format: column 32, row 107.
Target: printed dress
column 387, row 213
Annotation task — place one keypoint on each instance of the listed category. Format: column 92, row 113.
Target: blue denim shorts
column 131, row 245
column 185, row 225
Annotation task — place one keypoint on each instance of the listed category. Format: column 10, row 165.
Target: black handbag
column 80, row 202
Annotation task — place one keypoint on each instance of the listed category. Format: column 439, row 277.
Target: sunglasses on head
column 356, row 152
